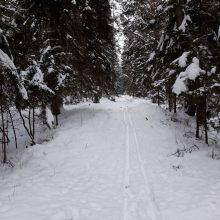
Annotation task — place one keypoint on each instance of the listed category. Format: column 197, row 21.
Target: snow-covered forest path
column 111, row 161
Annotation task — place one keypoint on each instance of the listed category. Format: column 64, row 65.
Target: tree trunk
column 3, row 136
column 158, row 95
column 33, row 123
column 205, row 121
column 197, row 123
column 96, row 98
column 174, row 102
column 29, row 121
column 13, row 127
column 26, row 128
column 57, row 122
column 170, row 97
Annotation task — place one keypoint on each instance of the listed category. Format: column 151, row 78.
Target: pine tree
column 189, row 56
column 66, row 49
column 11, row 85
column 142, row 31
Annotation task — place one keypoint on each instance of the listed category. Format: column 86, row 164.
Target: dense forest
column 65, row 51
column 172, row 54
column 52, row 52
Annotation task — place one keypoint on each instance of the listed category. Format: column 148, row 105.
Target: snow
column 38, row 79
column 49, row 117
column 112, row 161
column 159, row 8
column 151, row 57
column 7, row 63
column 152, row 21
column 213, row 70
column 44, row 52
column 23, row 92
column 184, row 24
column 61, row 79
column 171, row 72
column 191, row 73
column 193, row 70
column 182, row 60
column 215, row 85
column 180, row 85
column 88, row 8
column 38, row 76
column 50, row 69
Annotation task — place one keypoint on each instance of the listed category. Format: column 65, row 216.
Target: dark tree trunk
column 170, row 97
column 158, row 95
column 96, row 98
column 33, row 123
column 13, row 127
column 205, row 121
column 55, row 107
column 29, row 121
column 179, row 14
column 26, row 128
column 191, row 109
column 197, row 125
column 3, row 136
column 57, row 121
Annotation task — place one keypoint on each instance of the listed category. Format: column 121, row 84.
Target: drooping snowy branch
column 7, row 63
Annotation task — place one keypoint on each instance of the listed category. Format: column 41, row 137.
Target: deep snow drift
column 113, row 161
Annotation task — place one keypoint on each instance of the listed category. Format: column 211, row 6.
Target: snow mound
column 191, row 73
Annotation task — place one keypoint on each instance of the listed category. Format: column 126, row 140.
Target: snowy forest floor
column 113, row 161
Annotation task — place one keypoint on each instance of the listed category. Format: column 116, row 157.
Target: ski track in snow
column 150, row 209
column 108, row 162
column 127, row 168
column 152, row 206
